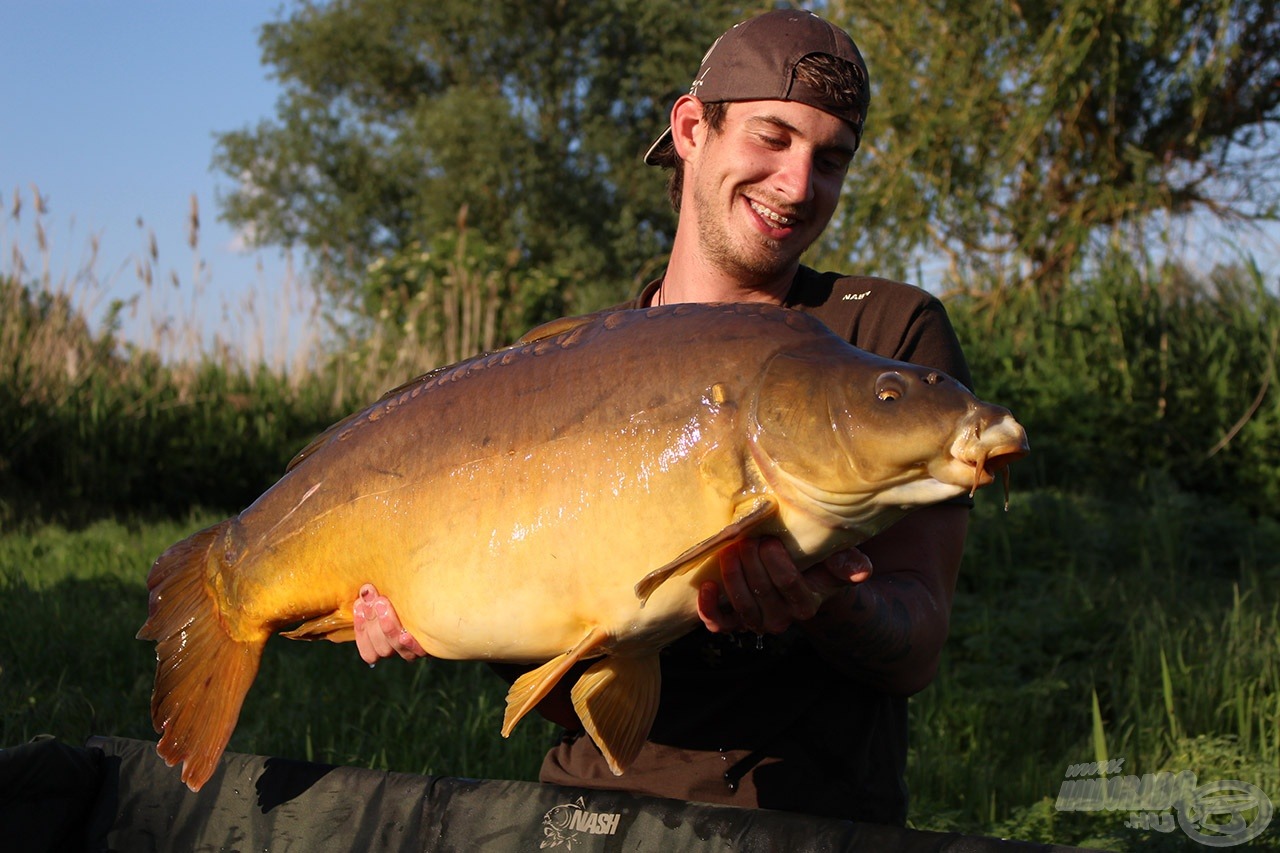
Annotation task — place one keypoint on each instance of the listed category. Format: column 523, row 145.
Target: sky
column 110, row 108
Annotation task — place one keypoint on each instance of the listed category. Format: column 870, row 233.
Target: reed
column 147, row 395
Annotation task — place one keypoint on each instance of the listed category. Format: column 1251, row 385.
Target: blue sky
column 110, row 107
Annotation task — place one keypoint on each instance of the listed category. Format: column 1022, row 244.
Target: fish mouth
column 987, row 445
column 995, row 463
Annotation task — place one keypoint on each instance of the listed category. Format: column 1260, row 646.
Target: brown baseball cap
column 755, row 60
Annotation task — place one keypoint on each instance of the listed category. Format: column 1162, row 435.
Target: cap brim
column 651, row 157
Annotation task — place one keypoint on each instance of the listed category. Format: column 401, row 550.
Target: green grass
column 1163, row 612
column 1166, row 610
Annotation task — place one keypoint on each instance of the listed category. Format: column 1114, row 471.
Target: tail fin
column 202, row 672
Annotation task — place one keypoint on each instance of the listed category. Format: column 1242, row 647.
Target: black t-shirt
column 763, row 721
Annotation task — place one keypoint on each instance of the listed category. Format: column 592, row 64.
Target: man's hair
column 839, row 80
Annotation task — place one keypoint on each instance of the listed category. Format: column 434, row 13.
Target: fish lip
column 988, row 440
column 998, row 459
column 1002, row 456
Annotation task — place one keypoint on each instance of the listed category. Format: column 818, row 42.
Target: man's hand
column 763, row 591
column 379, row 633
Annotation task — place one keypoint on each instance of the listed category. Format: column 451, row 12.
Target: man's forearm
column 887, row 633
column 889, row 630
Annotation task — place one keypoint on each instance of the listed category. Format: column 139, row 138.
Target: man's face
column 766, row 185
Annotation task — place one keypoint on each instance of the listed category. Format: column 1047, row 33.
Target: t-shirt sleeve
column 888, row 318
column 930, row 340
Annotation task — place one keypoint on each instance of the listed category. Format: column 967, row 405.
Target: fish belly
column 506, row 557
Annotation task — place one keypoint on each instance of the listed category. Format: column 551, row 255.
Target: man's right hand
column 379, row 633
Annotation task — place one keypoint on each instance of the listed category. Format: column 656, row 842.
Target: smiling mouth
column 771, row 216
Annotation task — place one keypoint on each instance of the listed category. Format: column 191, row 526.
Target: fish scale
column 562, row 500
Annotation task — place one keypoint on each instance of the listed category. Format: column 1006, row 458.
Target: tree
column 532, row 116
column 1008, row 135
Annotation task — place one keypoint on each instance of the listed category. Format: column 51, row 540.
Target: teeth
column 770, row 215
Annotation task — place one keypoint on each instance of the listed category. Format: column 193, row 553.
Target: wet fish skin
column 563, row 499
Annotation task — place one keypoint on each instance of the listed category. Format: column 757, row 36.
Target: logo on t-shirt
column 854, row 297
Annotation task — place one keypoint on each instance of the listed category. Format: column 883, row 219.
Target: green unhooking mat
column 116, row 794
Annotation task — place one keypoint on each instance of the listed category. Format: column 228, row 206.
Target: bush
column 1120, row 379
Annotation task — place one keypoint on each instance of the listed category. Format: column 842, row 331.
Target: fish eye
column 890, row 386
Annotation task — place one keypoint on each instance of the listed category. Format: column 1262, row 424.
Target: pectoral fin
column 759, row 512
column 530, row 688
column 616, row 700
column 336, row 627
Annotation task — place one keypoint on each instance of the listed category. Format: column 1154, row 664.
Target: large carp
column 563, row 499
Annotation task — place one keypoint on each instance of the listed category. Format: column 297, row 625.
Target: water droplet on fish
column 759, row 642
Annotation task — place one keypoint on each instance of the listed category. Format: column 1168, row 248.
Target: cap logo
column 697, row 84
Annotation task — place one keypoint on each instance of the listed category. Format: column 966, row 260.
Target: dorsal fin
column 549, row 329
column 559, row 326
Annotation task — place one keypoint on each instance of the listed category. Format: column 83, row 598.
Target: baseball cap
column 755, row 60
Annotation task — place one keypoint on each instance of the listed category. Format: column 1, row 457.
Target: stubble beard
column 752, row 260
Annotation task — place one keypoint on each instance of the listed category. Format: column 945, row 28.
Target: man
column 779, row 704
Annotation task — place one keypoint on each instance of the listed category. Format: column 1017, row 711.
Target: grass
column 1163, row 612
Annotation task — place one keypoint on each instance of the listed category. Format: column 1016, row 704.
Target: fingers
column 379, row 633
column 847, row 566
column 765, row 588
column 715, row 611
column 764, row 591
column 799, row 599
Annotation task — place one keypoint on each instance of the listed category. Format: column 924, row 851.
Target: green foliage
column 1007, row 136
column 532, row 116
column 454, row 295
column 1130, row 375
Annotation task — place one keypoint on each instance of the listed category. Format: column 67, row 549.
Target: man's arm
column 885, row 628
column 890, row 631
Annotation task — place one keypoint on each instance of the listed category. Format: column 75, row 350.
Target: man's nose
column 794, row 178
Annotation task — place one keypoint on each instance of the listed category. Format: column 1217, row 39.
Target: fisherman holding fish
column 780, row 703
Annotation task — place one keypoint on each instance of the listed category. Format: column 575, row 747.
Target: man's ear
column 687, row 128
